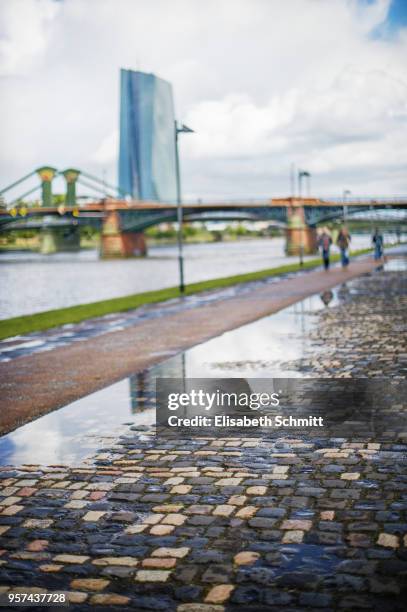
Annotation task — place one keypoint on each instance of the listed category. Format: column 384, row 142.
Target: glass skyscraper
column 147, row 165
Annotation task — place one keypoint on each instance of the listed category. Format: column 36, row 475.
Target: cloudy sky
column 264, row 83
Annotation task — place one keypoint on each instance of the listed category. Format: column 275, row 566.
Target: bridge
column 122, row 222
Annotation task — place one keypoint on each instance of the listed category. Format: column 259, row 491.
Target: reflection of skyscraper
column 147, row 167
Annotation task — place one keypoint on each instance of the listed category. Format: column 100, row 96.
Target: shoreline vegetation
column 41, row 321
column 29, row 240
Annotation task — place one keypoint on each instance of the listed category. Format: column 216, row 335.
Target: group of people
column 343, row 242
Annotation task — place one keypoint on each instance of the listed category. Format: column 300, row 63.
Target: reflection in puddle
column 76, row 431
column 395, row 264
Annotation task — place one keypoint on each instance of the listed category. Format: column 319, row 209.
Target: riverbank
column 45, row 381
column 53, row 318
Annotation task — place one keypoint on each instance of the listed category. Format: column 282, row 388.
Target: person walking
column 378, row 242
column 343, row 242
column 325, row 242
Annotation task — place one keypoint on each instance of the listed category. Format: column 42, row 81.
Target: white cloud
column 24, row 35
column 107, row 152
column 264, row 83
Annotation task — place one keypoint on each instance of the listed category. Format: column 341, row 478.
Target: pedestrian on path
column 343, row 242
column 325, row 241
column 378, row 242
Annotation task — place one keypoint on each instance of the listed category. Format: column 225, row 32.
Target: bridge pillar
column 59, row 239
column 116, row 243
column 71, row 176
column 46, row 174
column 299, row 236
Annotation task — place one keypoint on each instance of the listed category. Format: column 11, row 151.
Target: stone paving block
column 11, row 510
column 359, row 540
column 93, row 516
column 350, row 475
column 175, row 480
column 125, row 561
column 162, row 530
column 76, row 504
column 293, row 524
column 391, row 541
column 180, row 489
column 50, row 567
column 80, row 494
column 228, row 482
column 75, row 597
column 109, row 599
column 95, row 495
column 9, row 501
column 174, row 519
column 327, row 515
column 219, row 593
column 246, row 557
column 224, row 510
column 178, row 553
column 293, row 537
column 246, row 512
column 170, row 508
column 262, row 523
column 152, row 576
column 257, row 490
column 199, row 509
column 38, row 523
column 37, row 545
column 133, row 529
column 77, row 559
column 153, row 519
column 159, row 563
column 27, row 491
column 89, row 584
column 200, row 607
column 237, row 500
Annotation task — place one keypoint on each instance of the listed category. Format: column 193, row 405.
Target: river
column 30, row 282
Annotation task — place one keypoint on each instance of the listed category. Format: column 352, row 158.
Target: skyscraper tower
column 147, row 163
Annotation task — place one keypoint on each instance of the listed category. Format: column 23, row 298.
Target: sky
column 321, row 84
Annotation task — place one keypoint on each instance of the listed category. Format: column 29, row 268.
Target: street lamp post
column 346, row 192
column 302, row 174
column 178, row 130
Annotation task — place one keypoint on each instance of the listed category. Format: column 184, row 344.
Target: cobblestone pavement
column 213, row 525
column 366, row 335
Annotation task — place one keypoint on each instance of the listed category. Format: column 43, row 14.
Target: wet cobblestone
column 209, row 525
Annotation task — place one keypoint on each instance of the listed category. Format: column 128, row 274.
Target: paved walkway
column 225, row 525
column 39, row 383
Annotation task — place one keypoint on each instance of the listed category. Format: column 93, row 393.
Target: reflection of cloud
column 259, row 344
column 35, row 443
column 73, row 431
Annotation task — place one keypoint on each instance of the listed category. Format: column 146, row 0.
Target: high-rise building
column 147, row 163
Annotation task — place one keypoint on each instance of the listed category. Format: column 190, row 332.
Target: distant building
column 147, row 166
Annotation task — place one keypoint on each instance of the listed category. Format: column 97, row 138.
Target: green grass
column 74, row 314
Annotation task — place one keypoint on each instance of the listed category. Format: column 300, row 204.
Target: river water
column 30, row 282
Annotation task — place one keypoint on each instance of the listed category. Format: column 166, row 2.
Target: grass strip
column 75, row 314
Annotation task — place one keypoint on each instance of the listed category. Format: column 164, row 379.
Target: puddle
column 76, row 431
column 73, row 433
column 395, row 264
